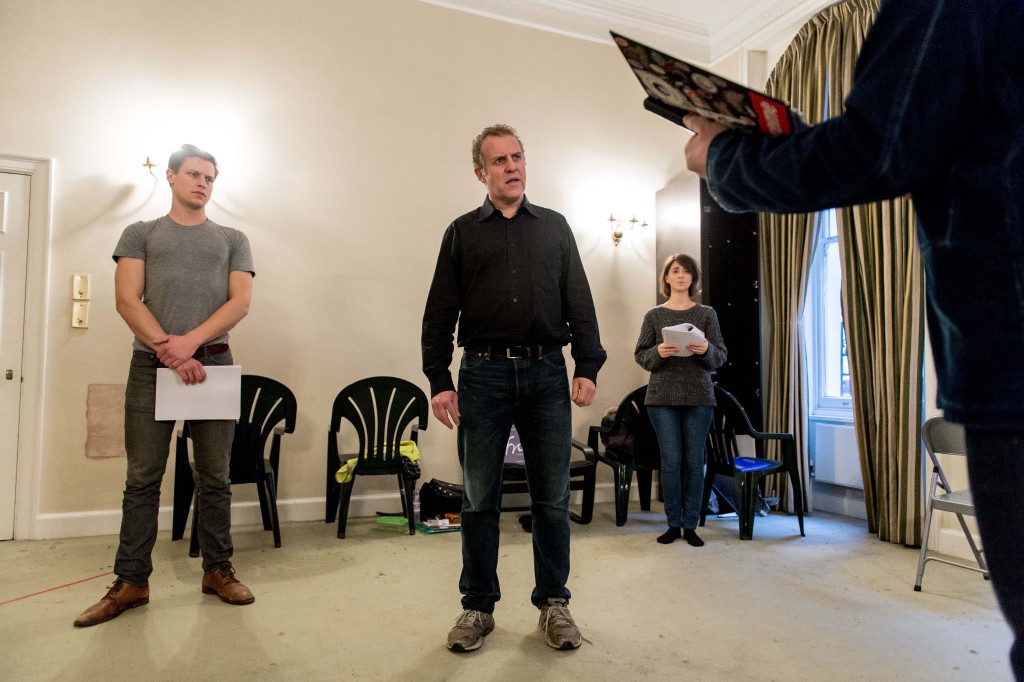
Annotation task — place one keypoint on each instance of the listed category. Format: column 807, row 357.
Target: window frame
column 822, row 405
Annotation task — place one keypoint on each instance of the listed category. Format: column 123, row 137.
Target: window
column 828, row 361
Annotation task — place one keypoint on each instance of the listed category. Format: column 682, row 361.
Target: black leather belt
column 512, row 352
column 212, row 349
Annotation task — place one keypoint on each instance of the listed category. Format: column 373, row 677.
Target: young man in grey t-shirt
column 182, row 283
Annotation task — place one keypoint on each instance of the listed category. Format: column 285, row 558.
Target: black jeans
column 995, row 462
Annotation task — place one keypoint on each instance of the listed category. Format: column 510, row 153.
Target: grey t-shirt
column 187, row 270
column 676, row 380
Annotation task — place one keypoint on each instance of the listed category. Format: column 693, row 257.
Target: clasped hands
column 175, row 352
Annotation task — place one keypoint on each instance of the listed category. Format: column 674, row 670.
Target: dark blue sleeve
column 915, row 86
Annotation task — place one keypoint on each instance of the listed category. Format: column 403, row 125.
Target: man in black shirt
column 510, row 275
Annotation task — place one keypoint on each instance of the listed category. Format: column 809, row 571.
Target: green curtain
column 882, row 299
column 883, row 306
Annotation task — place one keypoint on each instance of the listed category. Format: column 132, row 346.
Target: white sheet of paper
column 219, row 397
column 681, row 335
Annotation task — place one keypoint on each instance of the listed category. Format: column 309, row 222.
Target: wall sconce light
column 149, row 165
column 617, row 229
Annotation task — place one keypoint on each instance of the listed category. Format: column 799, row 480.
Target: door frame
column 40, row 170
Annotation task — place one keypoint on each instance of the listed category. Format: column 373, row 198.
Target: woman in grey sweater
column 680, row 395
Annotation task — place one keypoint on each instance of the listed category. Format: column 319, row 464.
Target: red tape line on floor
column 51, row 589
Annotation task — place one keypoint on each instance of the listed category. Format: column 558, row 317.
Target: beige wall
column 343, row 132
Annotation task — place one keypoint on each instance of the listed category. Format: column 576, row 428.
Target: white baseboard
column 839, row 504
column 108, row 522
column 953, row 542
column 949, row 541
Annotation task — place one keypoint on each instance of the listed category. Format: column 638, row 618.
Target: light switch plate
column 80, row 287
column 80, row 315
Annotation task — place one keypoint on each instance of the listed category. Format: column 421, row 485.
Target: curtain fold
column 813, row 75
column 882, row 295
column 883, row 306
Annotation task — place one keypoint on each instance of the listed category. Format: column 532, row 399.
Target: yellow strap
column 347, row 471
column 406, row 448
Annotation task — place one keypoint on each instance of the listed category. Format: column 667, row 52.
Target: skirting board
column 953, row 542
column 838, row 504
column 108, row 522
column 950, row 541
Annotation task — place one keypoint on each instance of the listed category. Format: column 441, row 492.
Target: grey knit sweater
column 675, row 380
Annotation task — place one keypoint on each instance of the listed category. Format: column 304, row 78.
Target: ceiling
column 700, row 30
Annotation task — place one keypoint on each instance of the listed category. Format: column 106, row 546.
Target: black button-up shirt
column 509, row 282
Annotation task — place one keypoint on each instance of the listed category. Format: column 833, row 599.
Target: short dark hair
column 189, row 150
column 688, row 264
column 496, row 130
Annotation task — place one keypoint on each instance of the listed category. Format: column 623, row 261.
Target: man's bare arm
column 129, row 283
column 172, row 349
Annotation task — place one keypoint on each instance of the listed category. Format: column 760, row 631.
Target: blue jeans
column 995, row 464
column 147, row 443
column 533, row 394
column 682, row 432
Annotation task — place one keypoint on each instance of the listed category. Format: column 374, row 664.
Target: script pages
column 681, row 335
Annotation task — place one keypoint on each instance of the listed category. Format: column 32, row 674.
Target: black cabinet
column 729, row 278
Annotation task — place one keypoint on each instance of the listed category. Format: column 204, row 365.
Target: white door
column 14, row 203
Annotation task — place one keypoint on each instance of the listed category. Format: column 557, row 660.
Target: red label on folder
column 771, row 115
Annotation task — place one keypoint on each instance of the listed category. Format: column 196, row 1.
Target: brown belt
column 212, row 349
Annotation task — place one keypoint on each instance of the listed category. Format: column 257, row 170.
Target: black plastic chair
column 582, row 476
column 380, row 409
column 723, row 458
column 642, row 456
column 268, row 409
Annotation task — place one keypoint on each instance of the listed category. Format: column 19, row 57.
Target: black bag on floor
column 438, row 498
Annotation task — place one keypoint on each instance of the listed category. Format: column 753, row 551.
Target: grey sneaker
column 470, row 630
column 556, row 622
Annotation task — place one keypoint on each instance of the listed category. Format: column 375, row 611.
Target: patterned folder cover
column 676, row 88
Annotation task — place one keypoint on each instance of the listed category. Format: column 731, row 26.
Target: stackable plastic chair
column 268, row 412
column 643, row 459
column 582, row 476
column 381, row 409
column 724, row 458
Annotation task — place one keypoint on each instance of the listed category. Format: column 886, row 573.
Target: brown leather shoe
column 119, row 598
column 221, row 581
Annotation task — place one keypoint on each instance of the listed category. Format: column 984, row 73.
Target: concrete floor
column 835, row 605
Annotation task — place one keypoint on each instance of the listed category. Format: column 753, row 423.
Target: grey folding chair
column 945, row 438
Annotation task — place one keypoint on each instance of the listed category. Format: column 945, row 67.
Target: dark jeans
column 995, row 463
column 147, row 442
column 533, row 394
column 682, row 432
